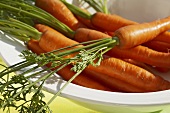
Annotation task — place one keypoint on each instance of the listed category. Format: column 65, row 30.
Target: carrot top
column 31, row 14
column 92, row 54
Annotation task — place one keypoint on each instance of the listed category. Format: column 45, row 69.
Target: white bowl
column 103, row 101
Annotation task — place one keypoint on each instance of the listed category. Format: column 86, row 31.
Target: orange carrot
column 53, row 39
column 101, row 20
column 158, row 46
column 66, row 73
column 109, row 65
column 162, row 69
column 83, row 79
column 136, row 35
column 133, row 35
column 114, row 83
column 163, row 37
column 33, row 45
column 142, row 54
column 60, row 11
column 85, row 21
column 109, row 22
column 138, row 53
column 140, row 64
column 131, row 74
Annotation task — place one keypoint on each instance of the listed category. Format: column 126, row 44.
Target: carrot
column 158, row 46
column 114, row 83
column 162, row 69
column 60, row 11
column 140, row 64
column 140, row 33
column 125, row 40
column 52, row 38
column 108, row 25
column 138, row 53
column 66, row 73
column 101, row 20
column 116, row 65
column 131, row 74
column 83, row 79
column 142, row 54
column 85, row 21
column 134, row 34
column 33, row 45
column 163, row 37
column 113, row 65
column 109, row 22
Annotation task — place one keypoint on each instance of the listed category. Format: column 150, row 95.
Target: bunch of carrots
column 135, row 40
column 129, row 56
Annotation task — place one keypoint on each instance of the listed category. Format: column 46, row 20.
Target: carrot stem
column 77, row 10
column 40, row 15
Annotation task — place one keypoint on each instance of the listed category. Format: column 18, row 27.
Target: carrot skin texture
column 158, row 46
column 83, row 35
column 60, row 11
column 140, row 64
column 109, row 22
column 163, row 37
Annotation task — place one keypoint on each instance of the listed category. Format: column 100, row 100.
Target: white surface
column 140, row 10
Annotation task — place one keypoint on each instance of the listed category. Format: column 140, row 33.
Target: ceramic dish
column 107, row 102
column 103, row 101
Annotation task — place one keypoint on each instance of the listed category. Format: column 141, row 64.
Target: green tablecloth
column 60, row 104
